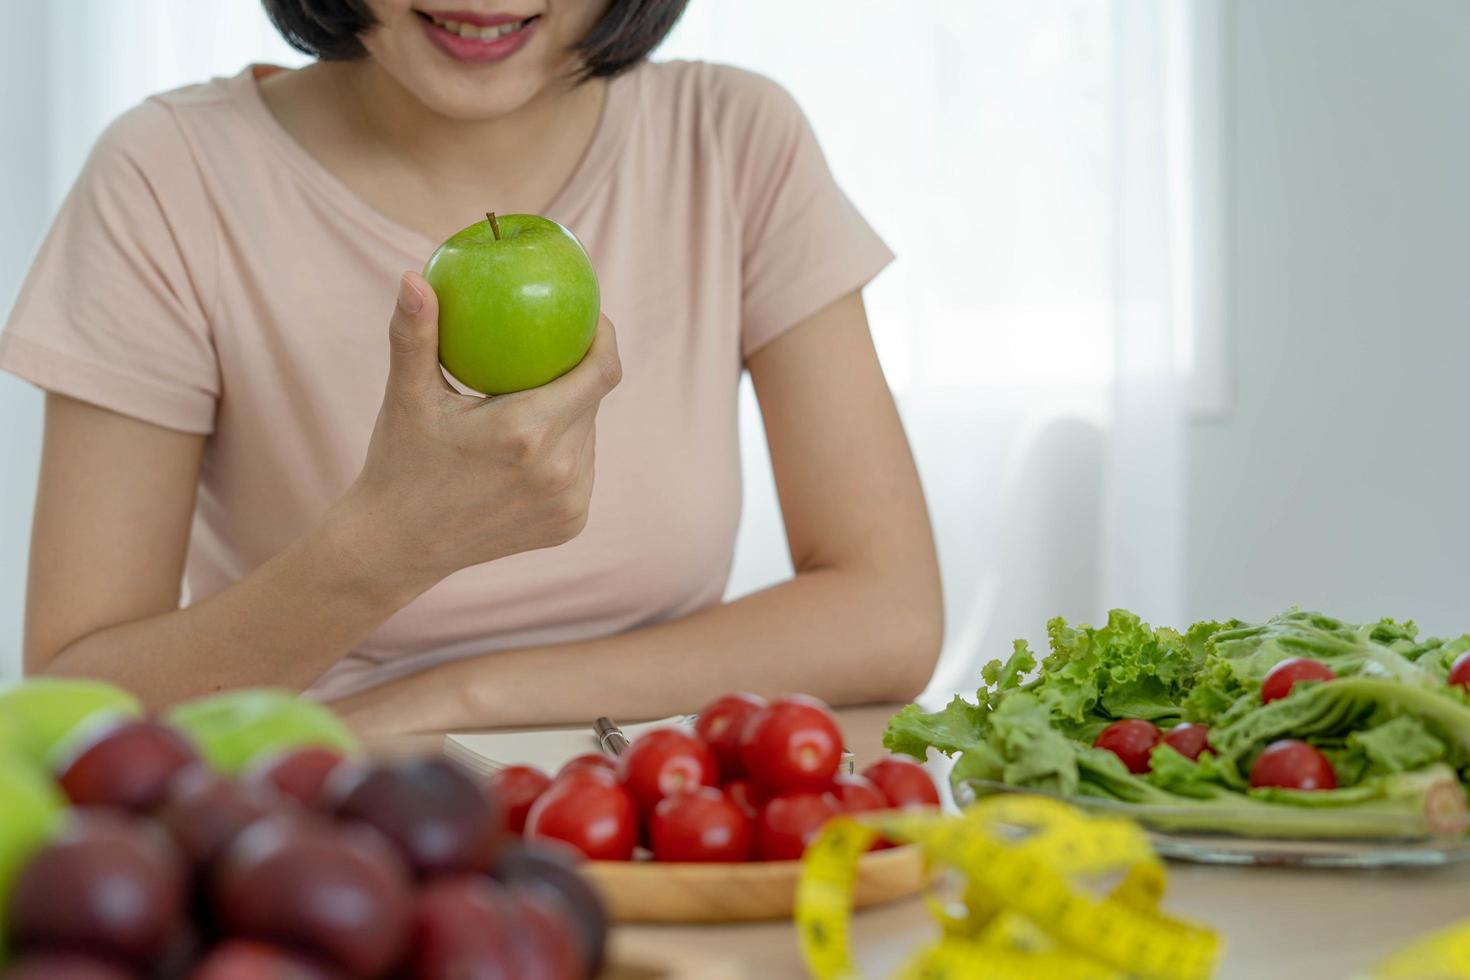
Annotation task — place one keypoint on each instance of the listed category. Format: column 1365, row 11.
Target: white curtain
column 1029, row 161
column 1022, row 159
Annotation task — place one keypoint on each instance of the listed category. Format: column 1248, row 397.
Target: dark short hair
column 329, row 29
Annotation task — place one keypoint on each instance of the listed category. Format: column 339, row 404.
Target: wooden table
column 1276, row 922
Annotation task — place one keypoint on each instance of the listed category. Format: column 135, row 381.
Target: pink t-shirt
column 207, row 274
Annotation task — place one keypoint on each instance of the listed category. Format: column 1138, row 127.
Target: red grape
column 339, row 890
column 243, row 959
column 299, row 774
column 438, row 817
column 204, row 811
column 552, row 870
column 127, row 764
column 109, row 886
column 65, row 966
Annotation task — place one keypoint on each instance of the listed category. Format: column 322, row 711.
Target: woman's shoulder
column 741, row 110
column 160, row 135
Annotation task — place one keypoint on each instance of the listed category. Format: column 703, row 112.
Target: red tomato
column 903, row 783
column 591, row 760
column 859, row 793
column 1188, row 739
column 663, row 762
column 1130, row 740
column 1460, row 671
column 700, row 825
column 789, row 822
column 743, row 793
column 1283, row 677
column 515, row 788
column 589, row 810
column 1293, row 764
column 720, row 725
column 792, row 743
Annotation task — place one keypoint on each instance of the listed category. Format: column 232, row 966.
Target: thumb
column 413, row 338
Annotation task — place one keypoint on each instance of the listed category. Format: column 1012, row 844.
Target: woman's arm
column 861, row 621
column 116, row 497
column 113, row 509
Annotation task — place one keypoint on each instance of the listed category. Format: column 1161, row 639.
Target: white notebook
column 545, row 748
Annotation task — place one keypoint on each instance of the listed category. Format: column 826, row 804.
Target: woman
column 225, row 407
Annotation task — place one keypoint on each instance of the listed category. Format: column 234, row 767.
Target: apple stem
column 494, row 225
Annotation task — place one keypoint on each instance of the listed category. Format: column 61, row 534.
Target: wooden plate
column 645, row 891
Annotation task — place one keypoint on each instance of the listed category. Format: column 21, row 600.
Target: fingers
column 413, row 339
column 599, row 372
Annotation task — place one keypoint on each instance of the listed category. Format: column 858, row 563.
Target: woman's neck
column 428, row 171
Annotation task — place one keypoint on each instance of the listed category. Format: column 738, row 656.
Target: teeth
column 479, row 33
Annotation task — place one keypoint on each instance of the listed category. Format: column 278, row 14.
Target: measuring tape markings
column 1018, row 855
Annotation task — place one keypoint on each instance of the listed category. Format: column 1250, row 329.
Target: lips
column 478, row 38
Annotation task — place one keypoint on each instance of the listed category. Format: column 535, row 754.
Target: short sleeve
column 804, row 245
column 113, row 312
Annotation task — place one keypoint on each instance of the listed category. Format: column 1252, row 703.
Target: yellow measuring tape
column 1027, row 909
column 1443, row 956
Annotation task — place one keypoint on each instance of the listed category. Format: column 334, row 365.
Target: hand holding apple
column 453, row 480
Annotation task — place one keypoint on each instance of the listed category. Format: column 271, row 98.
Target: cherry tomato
column 789, row 822
column 1460, row 671
column 589, row 810
column 663, row 762
column 1292, row 764
column 743, row 793
column 903, row 783
column 700, row 825
column 1283, row 677
column 1188, row 739
column 720, row 724
column 1130, row 740
column 515, row 788
column 590, row 760
column 859, row 793
column 792, row 743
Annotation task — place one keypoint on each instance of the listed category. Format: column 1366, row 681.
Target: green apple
column 42, row 712
column 518, row 302
column 232, row 729
column 32, row 807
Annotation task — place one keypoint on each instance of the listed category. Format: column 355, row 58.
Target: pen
column 610, row 737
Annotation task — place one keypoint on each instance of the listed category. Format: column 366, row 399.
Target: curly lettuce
column 1397, row 735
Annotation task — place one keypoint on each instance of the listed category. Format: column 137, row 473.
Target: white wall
column 1340, row 478
column 25, row 208
column 51, row 110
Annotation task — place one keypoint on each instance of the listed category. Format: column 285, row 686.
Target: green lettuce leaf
column 958, row 726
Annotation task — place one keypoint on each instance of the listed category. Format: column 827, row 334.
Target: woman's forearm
column 283, row 624
column 845, row 636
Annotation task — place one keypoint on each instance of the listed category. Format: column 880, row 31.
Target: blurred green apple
column 234, row 728
column 41, row 712
column 31, row 809
column 518, row 302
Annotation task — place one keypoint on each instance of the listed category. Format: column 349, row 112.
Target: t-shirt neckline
column 597, row 159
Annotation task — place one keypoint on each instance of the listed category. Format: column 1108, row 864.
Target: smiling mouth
column 474, row 32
